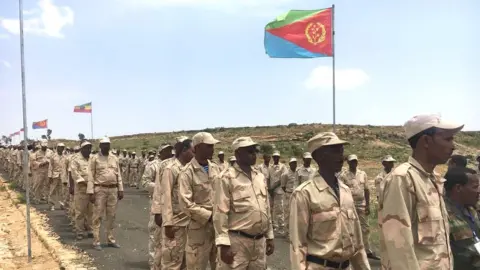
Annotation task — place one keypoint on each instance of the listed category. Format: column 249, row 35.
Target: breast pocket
column 241, row 200
column 202, row 193
column 324, row 224
column 430, row 225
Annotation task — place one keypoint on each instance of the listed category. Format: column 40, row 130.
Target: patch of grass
column 3, row 188
column 12, row 185
column 21, row 199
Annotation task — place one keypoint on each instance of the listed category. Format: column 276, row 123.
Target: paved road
column 131, row 233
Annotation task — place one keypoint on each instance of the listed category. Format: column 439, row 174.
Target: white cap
column 85, row 143
column 307, row 155
column 221, row 153
column 180, row 139
column 352, row 157
column 203, row 137
column 423, row 122
column 44, row 143
column 232, row 158
column 276, row 153
column 105, row 140
column 388, row 158
column 292, row 160
column 242, row 142
column 60, row 145
column 164, row 146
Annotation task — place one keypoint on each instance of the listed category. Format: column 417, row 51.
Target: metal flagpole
column 91, row 119
column 333, row 64
column 25, row 130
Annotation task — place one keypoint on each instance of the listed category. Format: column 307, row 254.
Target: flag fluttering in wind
column 84, row 108
column 300, row 34
column 40, row 124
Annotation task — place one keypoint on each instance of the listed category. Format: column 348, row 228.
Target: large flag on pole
column 40, row 124
column 300, row 34
column 84, row 108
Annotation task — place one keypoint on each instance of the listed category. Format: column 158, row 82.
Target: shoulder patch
column 304, row 184
column 401, row 169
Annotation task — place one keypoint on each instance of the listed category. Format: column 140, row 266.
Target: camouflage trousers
column 133, row 178
column 363, row 218
column 152, row 241
column 200, row 249
column 83, row 209
column 40, row 182
column 55, row 191
column 106, row 199
column 125, row 175
column 173, row 250
column 249, row 254
column 278, row 214
column 157, row 260
column 286, row 211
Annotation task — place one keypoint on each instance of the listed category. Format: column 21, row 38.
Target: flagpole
column 25, row 130
column 333, row 65
column 91, row 119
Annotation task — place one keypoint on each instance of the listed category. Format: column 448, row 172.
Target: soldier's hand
column 170, row 232
column 226, row 254
column 120, row 195
column 158, row 220
column 92, row 198
column 270, row 247
column 367, row 210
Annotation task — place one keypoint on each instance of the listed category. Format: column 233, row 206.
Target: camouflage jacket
column 462, row 239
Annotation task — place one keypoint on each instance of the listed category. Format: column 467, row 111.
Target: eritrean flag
column 40, row 124
column 84, row 108
column 300, row 34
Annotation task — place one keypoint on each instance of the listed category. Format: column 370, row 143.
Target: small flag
column 22, row 130
column 84, row 108
column 16, row 133
column 300, row 34
column 40, row 124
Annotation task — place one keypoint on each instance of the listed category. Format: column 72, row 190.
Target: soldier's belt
column 327, row 263
column 107, row 186
column 254, row 237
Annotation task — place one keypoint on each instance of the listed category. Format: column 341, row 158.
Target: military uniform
column 289, row 181
column 40, row 172
column 133, row 168
column 148, row 183
column 57, row 174
column 274, row 173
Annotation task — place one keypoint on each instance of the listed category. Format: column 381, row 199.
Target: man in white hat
column 306, row 171
column 196, row 200
column 124, row 160
column 232, row 160
column 57, row 174
column 276, row 193
column 105, row 189
column 325, row 231
column 289, row 181
column 242, row 217
column 40, row 172
column 83, row 207
column 388, row 162
column 222, row 165
column 133, row 169
column 414, row 222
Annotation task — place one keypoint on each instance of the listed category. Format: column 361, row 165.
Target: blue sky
column 163, row 65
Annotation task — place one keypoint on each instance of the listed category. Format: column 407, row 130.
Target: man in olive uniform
column 413, row 218
column 325, row 231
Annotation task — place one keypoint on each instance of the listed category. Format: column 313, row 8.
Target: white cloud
column 5, row 64
column 345, row 79
column 46, row 20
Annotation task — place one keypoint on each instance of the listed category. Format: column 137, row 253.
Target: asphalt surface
column 132, row 235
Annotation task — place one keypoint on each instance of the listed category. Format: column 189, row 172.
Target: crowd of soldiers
column 226, row 215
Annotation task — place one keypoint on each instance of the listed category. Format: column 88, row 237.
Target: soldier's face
column 353, row 164
column 276, row 159
column 86, row 150
column 247, row 155
column 267, row 158
column 293, row 166
column 440, row 146
column 105, row 147
column 221, row 157
column 470, row 190
column 205, row 150
column 60, row 149
column 307, row 162
column 329, row 158
column 388, row 165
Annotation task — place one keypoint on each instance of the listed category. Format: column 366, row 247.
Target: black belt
column 254, row 237
column 327, row 263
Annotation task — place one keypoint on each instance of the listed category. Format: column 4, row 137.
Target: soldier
column 356, row 180
column 306, row 172
column 276, row 193
column 461, row 196
column 83, row 207
column 457, row 161
column 478, row 163
column 414, row 224
column 388, row 162
column 133, row 166
column 242, row 216
column 325, row 231
column 222, row 165
column 196, row 200
column 71, row 186
column 143, row 163
column 175, row 221
column 123, row 161
column 41, row 163
column 289, row 181
column 56, row 175
column 105, row 189
column 232, row 160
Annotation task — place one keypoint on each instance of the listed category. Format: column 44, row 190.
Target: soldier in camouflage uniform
column 123, row 161
column 232, row 161
column 133, row 169
column 276, row 193
column 461, row 195
column 222, row 165
column 413, row 218
column 306, row 171
column 387, row 162
column 289, row 181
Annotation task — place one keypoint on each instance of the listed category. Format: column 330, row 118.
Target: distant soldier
column 232, row 161
column 143, row 164
column 414, row 222
column 123, row 161
column 357, row 181
column 83, row 207
column 306, row 171
column 325, row 231
column 105, row 189
column 276, row 193
column 264, row 166
column 242, row 220
column 289, row 181
column 461, row 186
column 57, row 174
column 133, row 169
column 222, row 165
column 388, row 162
column 196, row 200
column 457, row 161
column 41, row 163
column 175, row 221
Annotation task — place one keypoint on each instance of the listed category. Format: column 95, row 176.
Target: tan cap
column 292, row 160
column 242, row 142
column 276, row 153
column 352, row 157
column 133, row 153
column 151, row 156
column 307, row 155
column 43, row 143
column 76, row 148
column 180, row 139
column 323, row 139
column 105, row 140
column 221, row 153
column 232, row 158
column 164, row 146
column 85, row 143
column 388, row 158
column 423, row 122
column 204, row 137
column 60, row 145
